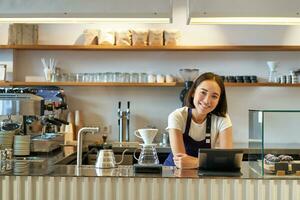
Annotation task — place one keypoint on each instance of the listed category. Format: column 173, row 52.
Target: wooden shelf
column 90, row 84
column 160, row 48
column 261, row 85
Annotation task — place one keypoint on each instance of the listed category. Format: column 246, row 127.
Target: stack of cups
column 78, row 121
column 21, row 167
column 70, row 128
column 22, row 145
column 75, row 120
column 6, row 139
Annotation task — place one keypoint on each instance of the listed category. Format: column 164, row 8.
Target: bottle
column 165, row 139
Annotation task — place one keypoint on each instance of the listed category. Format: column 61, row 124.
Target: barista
column 202, row 123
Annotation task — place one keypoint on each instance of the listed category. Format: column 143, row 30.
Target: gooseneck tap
column 79, row 142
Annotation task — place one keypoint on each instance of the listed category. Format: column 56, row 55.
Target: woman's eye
column 203, row 93
column 215, row 97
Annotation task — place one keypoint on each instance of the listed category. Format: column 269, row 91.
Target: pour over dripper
column 272, row 71
column 146, row 134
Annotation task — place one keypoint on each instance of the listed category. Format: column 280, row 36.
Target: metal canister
column 294, row 77
column 283, row 79
column 289, row 79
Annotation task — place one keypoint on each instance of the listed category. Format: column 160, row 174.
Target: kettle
column 106, row 159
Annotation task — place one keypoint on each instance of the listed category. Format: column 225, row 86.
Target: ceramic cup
column 147, row 134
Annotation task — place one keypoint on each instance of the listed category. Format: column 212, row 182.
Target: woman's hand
column 184, row 161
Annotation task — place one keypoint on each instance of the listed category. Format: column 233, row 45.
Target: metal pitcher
column 106, row 159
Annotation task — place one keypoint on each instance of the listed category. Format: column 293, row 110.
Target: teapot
column 106, row 159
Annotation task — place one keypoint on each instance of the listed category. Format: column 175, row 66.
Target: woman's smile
column 206, row 97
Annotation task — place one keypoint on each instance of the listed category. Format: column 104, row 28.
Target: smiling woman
column 202, row 123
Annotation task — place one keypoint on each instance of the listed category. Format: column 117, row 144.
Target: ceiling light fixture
column 254, row 12
column 80, row 11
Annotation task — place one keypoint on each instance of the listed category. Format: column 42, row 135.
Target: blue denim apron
column 192, row 146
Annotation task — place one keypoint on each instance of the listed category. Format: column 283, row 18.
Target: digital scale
column 153, row 169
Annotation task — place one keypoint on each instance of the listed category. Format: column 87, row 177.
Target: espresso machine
column 38, row 107
column 14, row 105
column 48, row 137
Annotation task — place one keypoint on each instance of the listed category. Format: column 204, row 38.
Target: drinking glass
column 134, row 78
column 108, row 77
column 79, row 77
column 118, row 77
column 71, row 77
column 126, row 77
column 143, row 78
column 64, row 77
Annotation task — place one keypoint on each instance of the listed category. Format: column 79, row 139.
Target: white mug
column 160, row 78
column 169, row 78
column 151, row 78
column 147, row 134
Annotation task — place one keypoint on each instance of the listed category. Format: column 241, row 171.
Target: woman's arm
column 181, row 159
column 226, row 138
column 176, row 141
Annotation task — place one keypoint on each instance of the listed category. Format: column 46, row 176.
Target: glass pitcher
column 148, row 155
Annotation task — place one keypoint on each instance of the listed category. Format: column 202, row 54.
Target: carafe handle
column 134, row 154
column 137, row 134
column 122, row 156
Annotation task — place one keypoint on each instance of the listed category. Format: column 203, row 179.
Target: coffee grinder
column 188, row 76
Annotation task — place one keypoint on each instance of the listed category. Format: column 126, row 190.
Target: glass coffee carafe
column 148, row 155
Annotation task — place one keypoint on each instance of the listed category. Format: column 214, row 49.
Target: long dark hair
column 221, row 108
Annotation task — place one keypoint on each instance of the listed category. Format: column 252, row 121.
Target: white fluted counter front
column 65, row 182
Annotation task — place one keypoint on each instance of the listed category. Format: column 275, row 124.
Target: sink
column 90, row 159
column 72, row 159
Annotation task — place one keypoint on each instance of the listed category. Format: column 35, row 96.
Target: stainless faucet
column 123, row 122
column 79, row 142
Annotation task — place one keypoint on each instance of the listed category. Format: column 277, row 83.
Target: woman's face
column 206, row 96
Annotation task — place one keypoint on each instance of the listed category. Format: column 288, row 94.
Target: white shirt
column 177, row 120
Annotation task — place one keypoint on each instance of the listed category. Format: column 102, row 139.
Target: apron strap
column 208, row 129
column 188, row 122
